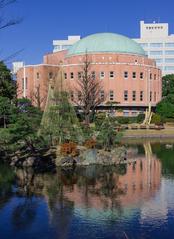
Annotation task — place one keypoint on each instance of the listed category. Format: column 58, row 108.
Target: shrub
column 123, row 120
column 140, row 118
column 69, row 148
column 156, row 119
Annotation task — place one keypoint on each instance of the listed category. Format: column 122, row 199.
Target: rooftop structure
column 60, row 45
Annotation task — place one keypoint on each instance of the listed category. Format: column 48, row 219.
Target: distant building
column 16, row 66
column 127, row 75
column 158, row 45
column 60, row 45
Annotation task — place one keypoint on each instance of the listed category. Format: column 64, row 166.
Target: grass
column 167, row 132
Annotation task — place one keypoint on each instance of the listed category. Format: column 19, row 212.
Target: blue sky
column 45, row 20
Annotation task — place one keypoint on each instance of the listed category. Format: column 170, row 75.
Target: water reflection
column 131, row 198
column 96, row 187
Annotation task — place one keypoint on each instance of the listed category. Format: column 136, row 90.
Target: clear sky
column 47, row 20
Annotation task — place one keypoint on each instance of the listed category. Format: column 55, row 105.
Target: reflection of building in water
column 141, row 181
column 101, row 188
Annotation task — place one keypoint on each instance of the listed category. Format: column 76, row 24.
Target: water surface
column 127, row 201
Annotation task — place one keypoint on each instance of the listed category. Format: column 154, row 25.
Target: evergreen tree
column 59, row 120
column 107, row 136
column 7, row 84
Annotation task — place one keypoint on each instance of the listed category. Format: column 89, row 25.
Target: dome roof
column 106, row 43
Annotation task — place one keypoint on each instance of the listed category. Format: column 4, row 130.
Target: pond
column 128, row 201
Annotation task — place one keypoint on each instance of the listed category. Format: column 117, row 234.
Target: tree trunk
column 4, row 121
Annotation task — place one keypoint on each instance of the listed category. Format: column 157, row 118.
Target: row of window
column 112, row 74
column 166, row 60
column 61, row 47
column 158, row 53
column 169, row 68
column 140, row 96
column 151, row 28
column 169, row 44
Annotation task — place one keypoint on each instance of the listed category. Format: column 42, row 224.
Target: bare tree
column 89, row 90
column 4, row 21
column 38, row 99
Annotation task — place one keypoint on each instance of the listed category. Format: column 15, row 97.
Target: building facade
column 127, row 75
column 158, row 45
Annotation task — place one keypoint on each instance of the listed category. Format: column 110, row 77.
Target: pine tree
column 59, row 120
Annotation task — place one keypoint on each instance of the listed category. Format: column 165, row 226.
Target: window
column 150, row 95
column 156, row 53
column 169, row 44
column 169, row 60
column 141, row 95
column 133, row 75
column 102, row 95
column 169, row 52
column 23, row 83
column 125, row 95
column 102, row 74
column 37, row 75
column 134, row 113
column 93, row 74
column 154, row 76
column 79, row 96
column 141, row 75
column 80, row 75
column 72, row 95
column 133, row 95
column 169, row 68
column 111, row 74
column 111, row 95
column 26, row 83
column 65, row 76
column 156, row 45
column 155, row 96
column 125, row 74
column 159, row 60
column 72, row 75
column 57, row 48
column 50, row 75
column 125, row 113
column 150, row 76
column 65, row 47
column 144, row 44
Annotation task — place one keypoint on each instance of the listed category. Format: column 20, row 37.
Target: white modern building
column 59, row 45
column 158, row 44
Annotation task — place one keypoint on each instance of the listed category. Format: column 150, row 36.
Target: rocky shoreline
column 49, row 159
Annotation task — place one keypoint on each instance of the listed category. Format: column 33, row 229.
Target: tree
column 5, row 110
column 59, row 120
column 89, row 91
column 165, row 108
column 25, row 124
column 168, row 85
column 36, row 97
column 7, row 84
column 107, row 136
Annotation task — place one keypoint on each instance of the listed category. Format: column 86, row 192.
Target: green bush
column 123, row 120
column 156, row 119
column 140, row 118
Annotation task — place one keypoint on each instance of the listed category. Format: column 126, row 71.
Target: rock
column 29, row 162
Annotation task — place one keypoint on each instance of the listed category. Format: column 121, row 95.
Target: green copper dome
column 106, row 43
